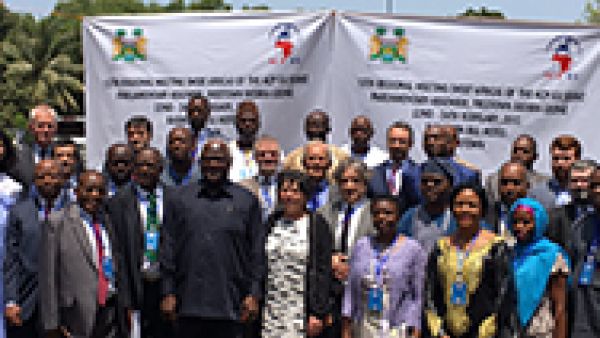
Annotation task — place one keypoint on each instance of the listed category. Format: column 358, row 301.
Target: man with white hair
column 43, row 127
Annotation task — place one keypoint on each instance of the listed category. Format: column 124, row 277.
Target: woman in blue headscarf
column 541, row 270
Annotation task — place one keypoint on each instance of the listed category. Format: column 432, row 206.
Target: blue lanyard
column 593, row 246
column 382, row 258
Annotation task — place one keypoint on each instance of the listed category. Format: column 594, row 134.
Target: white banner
column 150, row 65
column 495, row 80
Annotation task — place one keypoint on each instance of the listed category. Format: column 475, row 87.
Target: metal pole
column 389, row 6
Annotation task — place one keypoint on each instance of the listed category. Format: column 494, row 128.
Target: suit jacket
column 294, row 159
column 124, row 213
column 491, row 183
column 23, row 169
column 331, row 211
column 409, row 197
column 23, row 240
column 68, row 273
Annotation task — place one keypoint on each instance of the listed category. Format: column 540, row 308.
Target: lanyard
column 176, row 178
column 381, row 259
column 593, row 246
column 462, row 256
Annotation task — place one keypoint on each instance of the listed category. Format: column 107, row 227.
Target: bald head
column 215, row 162
column 317, row 126
column 48, row 179
column 513, row 183
column 317, row 160
column 361, row 132
column 91, row 191
column 434, row 141
column 180, row 144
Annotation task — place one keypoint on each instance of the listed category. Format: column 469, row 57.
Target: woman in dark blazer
column 298, row 264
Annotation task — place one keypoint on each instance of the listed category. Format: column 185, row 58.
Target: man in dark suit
column 212, row 252
column 139, row 131
column 462, row 171
column 581, row 245
column 136, row 212
column 43, row 127
column 512, row 185
column 398, row 176
column 180, row 168
column 524, row 150
column 80, row 272
column 118, row 167
column 264, row 185
column 564, row 150
column 67, row 155
column 23, row 239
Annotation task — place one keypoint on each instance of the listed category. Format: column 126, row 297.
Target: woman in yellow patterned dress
column 468, row 273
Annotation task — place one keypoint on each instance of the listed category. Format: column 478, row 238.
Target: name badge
column 459, row 293
column 375, row 301
column 151, row 239
column 587, row 273
column 107, row 268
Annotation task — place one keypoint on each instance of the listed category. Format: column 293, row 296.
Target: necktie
column 151, row 224
column 392, row 180
column 345, row 229
column 102, row 282
column 47, row 211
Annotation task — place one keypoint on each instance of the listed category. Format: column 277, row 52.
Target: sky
column 544, row 10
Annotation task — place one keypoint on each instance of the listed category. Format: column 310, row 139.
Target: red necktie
column 392, row 181
column 102, row 282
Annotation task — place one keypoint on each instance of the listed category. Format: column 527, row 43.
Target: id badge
column 107, row 268
column 151, row 238
column 375, row 301
column 587, row 273
column 459, row 293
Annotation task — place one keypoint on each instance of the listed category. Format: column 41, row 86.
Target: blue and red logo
column 284, row 35
column 564, row 50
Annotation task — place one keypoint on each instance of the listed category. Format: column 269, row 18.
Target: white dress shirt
column 374, row 157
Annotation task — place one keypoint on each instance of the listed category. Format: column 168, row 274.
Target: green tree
column 209, row 5
column 256, row 7
column 592, row 11
column 483, row 12
column 38, row 70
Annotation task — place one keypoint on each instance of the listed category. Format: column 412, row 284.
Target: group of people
column 230, row 238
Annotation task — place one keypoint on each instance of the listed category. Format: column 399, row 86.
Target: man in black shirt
column 212, row 251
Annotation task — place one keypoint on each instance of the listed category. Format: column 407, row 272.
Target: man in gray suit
column 23, row 237
column 349, row 218
column 80, row 268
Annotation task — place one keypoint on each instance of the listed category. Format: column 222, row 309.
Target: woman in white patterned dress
column 298, row 265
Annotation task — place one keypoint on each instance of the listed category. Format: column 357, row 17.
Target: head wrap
column 533, row 261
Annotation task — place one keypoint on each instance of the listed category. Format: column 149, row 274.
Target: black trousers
column 31, row 328
column 190, row 327
column 107, row 321
column 154, row 324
